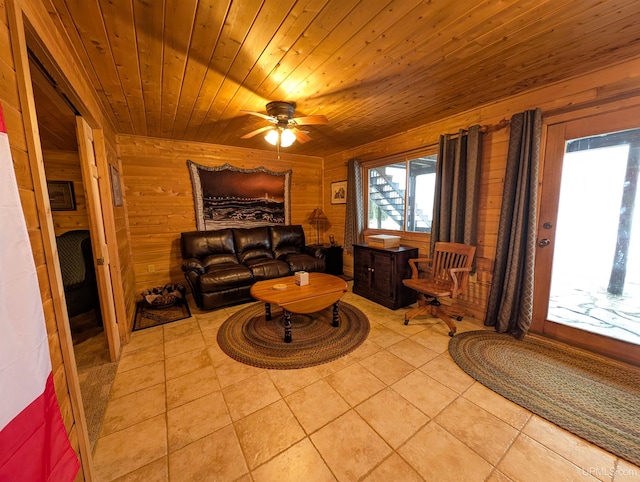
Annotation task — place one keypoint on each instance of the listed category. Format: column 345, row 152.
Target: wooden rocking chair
column 446, row 277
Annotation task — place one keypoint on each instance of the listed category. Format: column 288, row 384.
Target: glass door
column 588, row 258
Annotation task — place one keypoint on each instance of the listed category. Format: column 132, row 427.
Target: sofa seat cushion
column 304, row 262
column 225, row 276
column 263, row 269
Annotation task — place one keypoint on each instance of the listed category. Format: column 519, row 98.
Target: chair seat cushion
column 224, row 276
column 435, row 288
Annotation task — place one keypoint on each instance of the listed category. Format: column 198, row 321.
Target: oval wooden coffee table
column 322, row 291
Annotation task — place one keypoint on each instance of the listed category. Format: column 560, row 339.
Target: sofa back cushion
column 215, row 246
column 252, row 243
column 286, row 240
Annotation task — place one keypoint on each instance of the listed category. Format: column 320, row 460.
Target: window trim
column 404, row 156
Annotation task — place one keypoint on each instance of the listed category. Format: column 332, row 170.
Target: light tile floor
column 398, row 408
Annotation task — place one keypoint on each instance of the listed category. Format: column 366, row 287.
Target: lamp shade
column 317, row 215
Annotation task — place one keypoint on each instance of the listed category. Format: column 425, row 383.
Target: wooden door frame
column 18, row 17
column 97, row 227
column 36, row 162
column 558, row 131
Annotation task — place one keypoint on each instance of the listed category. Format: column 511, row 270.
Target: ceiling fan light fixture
column 287, row 138
column 272, row 137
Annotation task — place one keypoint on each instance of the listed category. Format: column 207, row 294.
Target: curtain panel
column 455, row 209
column 354, row 216
column 510, row 304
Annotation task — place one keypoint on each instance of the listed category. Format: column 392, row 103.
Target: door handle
column 544, row 242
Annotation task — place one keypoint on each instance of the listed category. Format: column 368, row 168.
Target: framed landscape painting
column 230, row 197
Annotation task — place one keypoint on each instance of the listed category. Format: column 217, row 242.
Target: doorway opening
column 74, row 235
column 595, row 282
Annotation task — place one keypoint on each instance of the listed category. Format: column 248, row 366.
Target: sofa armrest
column 315, row 251
column 193, row 264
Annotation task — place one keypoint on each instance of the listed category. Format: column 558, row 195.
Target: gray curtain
column 455, row 209
column 354, row 217
column 510, row 305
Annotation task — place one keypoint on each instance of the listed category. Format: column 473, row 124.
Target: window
column 401, row 195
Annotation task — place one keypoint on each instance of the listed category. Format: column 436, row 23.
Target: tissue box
column 302, row 278
column 383, row 241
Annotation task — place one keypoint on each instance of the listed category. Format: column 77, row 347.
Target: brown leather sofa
column 221, row 265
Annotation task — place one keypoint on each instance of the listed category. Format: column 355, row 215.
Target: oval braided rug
column 593, row 397
column 248, row 338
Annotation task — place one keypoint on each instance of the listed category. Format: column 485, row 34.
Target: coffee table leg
column 287, row 326
column 267, row 311
column 336, row 316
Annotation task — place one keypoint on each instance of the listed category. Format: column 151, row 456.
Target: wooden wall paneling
column 160, row 199
column 121, row 222
column 49, row 275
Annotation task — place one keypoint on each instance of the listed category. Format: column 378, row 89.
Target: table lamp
column 317, row 217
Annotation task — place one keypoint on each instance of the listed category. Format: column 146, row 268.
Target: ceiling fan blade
column 311, row 120
column 263, row 116
column 301, row 136
column 256, row 132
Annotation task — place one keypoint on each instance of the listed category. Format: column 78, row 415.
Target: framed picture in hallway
column 61, row 195
column 116, row 190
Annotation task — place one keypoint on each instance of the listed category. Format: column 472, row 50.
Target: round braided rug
column 247, row 337
column 593, row 397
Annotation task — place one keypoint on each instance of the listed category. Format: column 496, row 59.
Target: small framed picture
column 339, row 192
column 61, row 195
column 116, row 190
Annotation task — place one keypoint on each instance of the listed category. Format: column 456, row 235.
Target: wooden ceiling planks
column 207, row 30
column 179, row 22
column 270, row 18
column 238, row 22
column 118, row 20
column 90, row 27
column 296, row 22
column 186, row 69
column 148, row 20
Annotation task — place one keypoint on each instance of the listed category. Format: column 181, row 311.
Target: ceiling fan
column 284, row 129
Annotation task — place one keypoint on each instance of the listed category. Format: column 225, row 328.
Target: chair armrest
column 414, row 269
column 456, row 285
column 192, row 264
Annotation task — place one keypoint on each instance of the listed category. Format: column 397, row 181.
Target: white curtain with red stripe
column 33, row 440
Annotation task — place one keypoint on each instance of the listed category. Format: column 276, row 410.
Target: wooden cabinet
column 378, row 274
